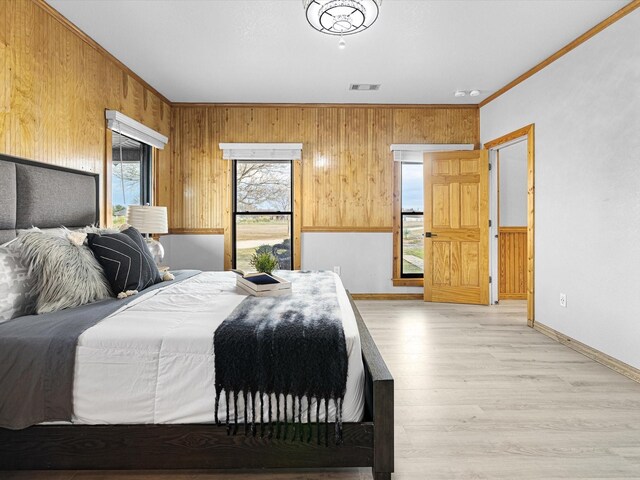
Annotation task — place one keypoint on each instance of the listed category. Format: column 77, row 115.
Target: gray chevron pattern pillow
column 126, row 260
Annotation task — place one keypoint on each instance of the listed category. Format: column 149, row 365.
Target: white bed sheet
column 152, row 361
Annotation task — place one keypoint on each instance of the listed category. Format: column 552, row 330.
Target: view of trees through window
column 412, row 226
column 129, row 176
column 262, row 216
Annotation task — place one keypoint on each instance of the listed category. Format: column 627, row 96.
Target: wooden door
column 456, row 222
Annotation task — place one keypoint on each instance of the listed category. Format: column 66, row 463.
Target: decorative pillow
column 17, row 293
column 126, row 261
column 97, row 229
column 137, row 237
column 66, row 275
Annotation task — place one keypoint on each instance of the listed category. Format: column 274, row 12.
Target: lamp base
column 156, row 249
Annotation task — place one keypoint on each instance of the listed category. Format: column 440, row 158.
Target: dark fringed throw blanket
column 289, row 350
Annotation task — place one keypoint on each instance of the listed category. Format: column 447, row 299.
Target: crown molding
column 323, row 105
column 624, row 11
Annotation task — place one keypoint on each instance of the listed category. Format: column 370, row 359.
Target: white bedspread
column 152, row 361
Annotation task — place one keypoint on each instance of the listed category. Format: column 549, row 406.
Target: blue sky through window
column 412, row 187
column 125, row 183
column 131, row 194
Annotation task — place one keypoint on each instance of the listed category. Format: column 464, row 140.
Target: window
column 412, row 220
column 408, row 210
column 262, row 218
column 130, row 176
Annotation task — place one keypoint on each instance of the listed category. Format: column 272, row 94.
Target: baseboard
column 602, row 358
column 387, row 296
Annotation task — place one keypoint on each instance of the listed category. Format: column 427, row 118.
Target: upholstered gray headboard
column 34, row 194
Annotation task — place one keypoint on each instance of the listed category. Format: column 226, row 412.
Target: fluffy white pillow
column 66, row 274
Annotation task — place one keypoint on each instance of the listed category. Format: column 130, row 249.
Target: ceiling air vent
column 364, row 86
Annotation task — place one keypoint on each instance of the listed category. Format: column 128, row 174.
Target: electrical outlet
column 336, row 270
column 563, row 300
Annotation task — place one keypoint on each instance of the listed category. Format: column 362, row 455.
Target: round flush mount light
column 341, row 17
column 459, row 93
column 474, row 93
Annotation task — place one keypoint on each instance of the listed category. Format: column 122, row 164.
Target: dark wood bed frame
column 206, row 446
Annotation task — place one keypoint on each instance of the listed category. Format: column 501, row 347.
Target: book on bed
column 262, row 284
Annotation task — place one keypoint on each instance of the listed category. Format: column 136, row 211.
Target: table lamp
column 147, row 220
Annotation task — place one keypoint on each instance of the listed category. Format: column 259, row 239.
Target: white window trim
column 261, row 151
column 414, row 152
column 119, row 122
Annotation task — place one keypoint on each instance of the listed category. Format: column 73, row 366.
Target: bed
column 166, row 422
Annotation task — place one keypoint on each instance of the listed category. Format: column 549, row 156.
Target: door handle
column 429, row 234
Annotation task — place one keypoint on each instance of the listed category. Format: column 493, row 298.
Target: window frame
column 403, row 214
column 401, row 279
column 146, row 174
column 235, row 212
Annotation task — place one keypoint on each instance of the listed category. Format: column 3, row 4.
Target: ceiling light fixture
column 341, row 17
column 464, row 93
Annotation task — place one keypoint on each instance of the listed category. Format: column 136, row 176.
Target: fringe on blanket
column 284, row 426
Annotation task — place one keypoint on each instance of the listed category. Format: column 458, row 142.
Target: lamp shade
column 148, row 219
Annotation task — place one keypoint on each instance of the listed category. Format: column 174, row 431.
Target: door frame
column 527, row 132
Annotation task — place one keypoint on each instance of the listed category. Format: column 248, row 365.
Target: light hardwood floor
column 479, row 395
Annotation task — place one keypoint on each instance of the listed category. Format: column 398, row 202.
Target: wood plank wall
column 347, row 168
column 512, row 263
column 56, row 83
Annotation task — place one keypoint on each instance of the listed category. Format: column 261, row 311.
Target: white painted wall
column 586, row 110
column 513, row 185
column 365, row 259
column 200, row 252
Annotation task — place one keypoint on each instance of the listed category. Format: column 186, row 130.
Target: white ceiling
column 258, row 51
